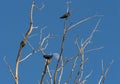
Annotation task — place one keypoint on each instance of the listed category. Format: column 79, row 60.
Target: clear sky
column 14, row 22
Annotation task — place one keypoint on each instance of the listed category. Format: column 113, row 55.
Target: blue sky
column 14, row 21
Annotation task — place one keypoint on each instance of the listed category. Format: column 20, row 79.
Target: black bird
column 65, row 15
column 48, row 57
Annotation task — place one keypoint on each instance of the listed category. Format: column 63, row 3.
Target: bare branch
column 33, row 35
column 75, row 62
column 81, row 52
column 30, row 45
column 80, row 71
column 62, row 67
column 72, row 70
column 87, row 76
column 41, row 33
column 23, row 43
column 9, row 68
column 88, row 40
column 44, row 72
column 44, row 42
column 44, row 39
column 45, row 69
column 26, row 57
column 51, row 80
column 30, row 54
column 104, row 72
column 108, row 67
column 99, row 48
column 81, row 21
column 61, row 51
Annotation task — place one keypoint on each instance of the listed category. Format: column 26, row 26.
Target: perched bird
column 65, row 15
column 23, row 43
column 48, row 58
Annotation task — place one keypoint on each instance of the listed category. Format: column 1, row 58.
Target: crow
column 65, row 16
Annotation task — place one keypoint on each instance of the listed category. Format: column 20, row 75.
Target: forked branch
column 104, row 72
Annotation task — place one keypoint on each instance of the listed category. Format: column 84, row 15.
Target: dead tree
column 61, row 63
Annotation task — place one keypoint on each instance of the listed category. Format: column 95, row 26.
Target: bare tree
column 78, row 78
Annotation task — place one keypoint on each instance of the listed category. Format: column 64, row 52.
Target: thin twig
column 44, row 41
column 41, row 33
column 51, row 80
column 88, row 40
column 9, row 68
column 81, row 21
column 30, row 45
column 81, row 51
column 80, row 71
column 30, row 54
column 62, row 67
column 26, row 57
column 104, row 72
column 94, row 49
column 72, row 70
column 85, row 80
